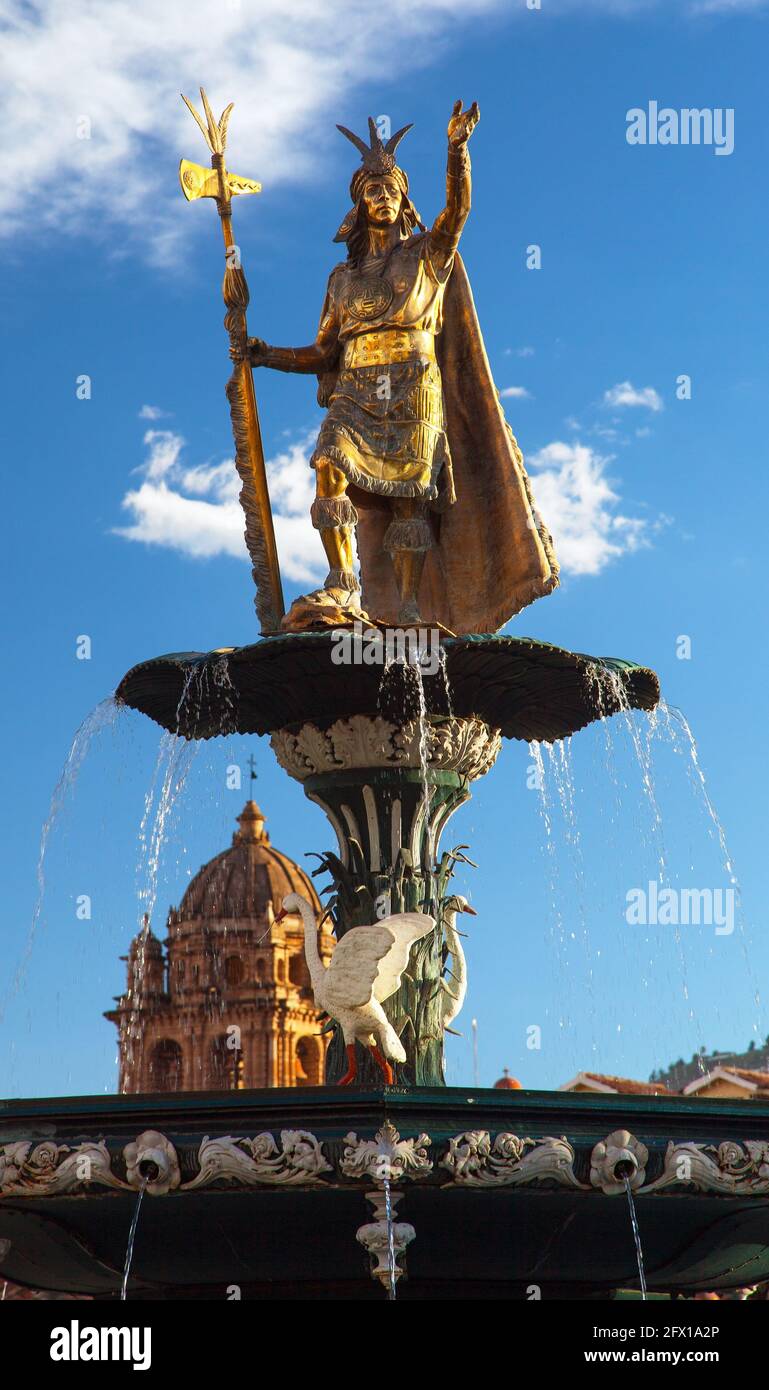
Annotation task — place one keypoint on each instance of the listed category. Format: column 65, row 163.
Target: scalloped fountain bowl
column 526, row 689
column 493, row 1192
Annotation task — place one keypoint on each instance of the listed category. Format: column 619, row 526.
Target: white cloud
column 92, row 121
column 92, row 116
column 195, row 510
column 580, row 506
column 519, row 392
column 151, row 412
column 624, row 393
column 726, row 6
column 630, row 8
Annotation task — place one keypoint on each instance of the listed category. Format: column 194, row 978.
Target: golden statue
column 414, row 455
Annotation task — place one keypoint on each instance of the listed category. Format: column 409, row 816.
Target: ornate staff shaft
column 199, row 182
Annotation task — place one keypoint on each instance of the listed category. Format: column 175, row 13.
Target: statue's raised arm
column 448, row 225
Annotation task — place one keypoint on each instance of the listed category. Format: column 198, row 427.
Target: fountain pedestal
column 388, row 791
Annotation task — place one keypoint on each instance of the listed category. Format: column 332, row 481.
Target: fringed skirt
column 385, row 429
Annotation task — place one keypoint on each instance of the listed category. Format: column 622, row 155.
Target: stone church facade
column 225, row 1001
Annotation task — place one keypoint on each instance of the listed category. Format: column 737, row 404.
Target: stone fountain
column 452, row 1193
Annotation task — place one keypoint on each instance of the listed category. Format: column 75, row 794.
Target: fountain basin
column 267, row 1190
column 524, row 688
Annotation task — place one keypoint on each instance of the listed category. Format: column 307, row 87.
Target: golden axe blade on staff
column 218, row 183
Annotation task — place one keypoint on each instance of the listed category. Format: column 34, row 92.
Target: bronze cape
column 492, row 555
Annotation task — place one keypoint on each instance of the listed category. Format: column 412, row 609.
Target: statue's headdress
column 377, row 161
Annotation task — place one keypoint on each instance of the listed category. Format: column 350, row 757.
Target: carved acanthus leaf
column 363, row 742
column 48, row 1169
column 473, row 1161
column 468, row 746
column 386, row 1156
column 732, row 1169
column 253, row 1162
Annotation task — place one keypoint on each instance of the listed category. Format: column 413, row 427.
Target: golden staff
column 218, row 183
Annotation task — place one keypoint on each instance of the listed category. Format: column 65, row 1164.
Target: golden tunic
column 385, row 426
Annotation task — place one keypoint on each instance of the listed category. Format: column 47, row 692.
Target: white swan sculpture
column 454, row 987
column 365, row 969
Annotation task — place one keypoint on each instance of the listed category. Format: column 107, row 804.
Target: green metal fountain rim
column 534, row 1204
column 526, row 688
column 696, row 1116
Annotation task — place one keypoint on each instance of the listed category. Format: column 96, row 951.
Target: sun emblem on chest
column 368, row 297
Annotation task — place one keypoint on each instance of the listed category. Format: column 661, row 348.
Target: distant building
column 732, row 1083
column 722, row 1082
column 507, row 1082
column 225, row 1002
column 601, row 1084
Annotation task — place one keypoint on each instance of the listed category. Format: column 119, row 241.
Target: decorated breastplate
column 367, row 297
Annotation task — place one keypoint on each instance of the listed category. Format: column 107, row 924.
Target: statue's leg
column 408, row 539
column 335, row 517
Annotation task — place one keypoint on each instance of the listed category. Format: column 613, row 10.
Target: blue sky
column 121, row 522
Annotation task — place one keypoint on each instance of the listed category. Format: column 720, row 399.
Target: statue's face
column 382, row 201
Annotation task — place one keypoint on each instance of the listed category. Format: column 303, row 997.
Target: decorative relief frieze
column 252, row 1162
column 473, row 1159
column 48, row 1169
column 735, row 1170
column 468, row 746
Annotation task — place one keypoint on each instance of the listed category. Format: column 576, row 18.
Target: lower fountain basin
column 267, row 1190
column 527, row 689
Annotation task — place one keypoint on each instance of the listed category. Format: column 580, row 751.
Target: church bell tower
column 225, row 1001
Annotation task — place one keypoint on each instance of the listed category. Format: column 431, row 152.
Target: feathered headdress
column 377, row 160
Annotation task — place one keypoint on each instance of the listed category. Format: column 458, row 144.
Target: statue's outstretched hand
column 463, row 123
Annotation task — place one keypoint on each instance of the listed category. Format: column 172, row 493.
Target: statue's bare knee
column 329, row 480
column 334, row 515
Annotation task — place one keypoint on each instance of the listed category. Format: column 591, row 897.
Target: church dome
column 242, row 880
column 507, row 1082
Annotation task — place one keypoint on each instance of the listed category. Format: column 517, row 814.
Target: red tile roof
column 625, row 1085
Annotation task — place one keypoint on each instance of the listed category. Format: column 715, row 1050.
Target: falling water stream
column 175, row 758
column 129, row 1254
column 445, row 679
column 636, row 1237
column 391, row 1291
column 663, row 727
column 103, row 716
column 680, row 737
column 423, row 755
column 414, row 666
